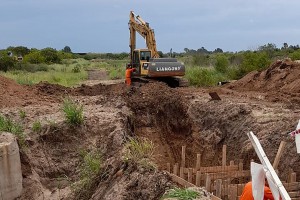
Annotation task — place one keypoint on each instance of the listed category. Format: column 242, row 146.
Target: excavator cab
column 140, row 61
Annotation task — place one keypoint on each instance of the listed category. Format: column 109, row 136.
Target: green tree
column 254, row 61
column 222, row 63
column 19, row 50
column 269, row 48
column 295, row 55
column 67, row 49
column 34, row 57
column 6, row 62
column 50, row 55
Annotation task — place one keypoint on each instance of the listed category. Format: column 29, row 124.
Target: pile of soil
column 100, row 89
column 45, row 88
column 281, row 76
column 13, row 94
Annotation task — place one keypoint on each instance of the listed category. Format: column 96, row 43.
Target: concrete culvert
column 10, row 167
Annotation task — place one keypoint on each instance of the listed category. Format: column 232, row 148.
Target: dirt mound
column 282, row 75
column 46, row 88
column 13, row 94
column 100, row 89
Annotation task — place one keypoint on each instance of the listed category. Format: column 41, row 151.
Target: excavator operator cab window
column 145, row 55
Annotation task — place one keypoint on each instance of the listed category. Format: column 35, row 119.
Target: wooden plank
column 181, row 181
column 175, row 169
column 181, row 174
column 292, row 186
column 219, row 188
column 207, row 182
column 294, row 194
column 266, row 163
column 214, row 169
column 224, row 156
column 241, row 165
column 293, row 177
column 169, row 167
column 279, row 154
column 224, row 188
column 190, row 174
column 198, row 178
column 198, row 162
column 183, row 156
column 232, row 192
column 240, row 188
column 233, row 174
column 213, row 197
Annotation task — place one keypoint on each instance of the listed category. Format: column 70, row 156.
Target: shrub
column 51, row 55
column 295, row 55
column 140, row 151
column 7, row 63
column 198, row 76
column 76, row 68
column 253, row 61
column 73, row 112
column 91, row 164
column 181, row 194
column 221, row 64
column 22, row 114
column 8, row 125
column 37, row 126
column 90, row 167
column 201, row 60
column 34, row 57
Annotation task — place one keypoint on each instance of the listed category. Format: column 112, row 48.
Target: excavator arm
column 137, row 24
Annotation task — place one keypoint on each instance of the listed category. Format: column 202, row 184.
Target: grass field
column 70, row 73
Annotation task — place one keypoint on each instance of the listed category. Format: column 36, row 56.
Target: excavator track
column 172, row 82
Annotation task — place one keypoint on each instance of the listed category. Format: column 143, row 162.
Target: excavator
column 147, row 63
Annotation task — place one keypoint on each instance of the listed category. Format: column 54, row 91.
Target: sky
column 102, row 26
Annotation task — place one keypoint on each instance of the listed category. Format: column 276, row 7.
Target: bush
column 73, row 112
column 90, row 167
column 253, row 61
column 181, row 194
column 8, row 125
column 201, row 60
column 91, row 164
column 34, row 57
column 37, row 126
column 22, row 114
column 50, row 55
column 76, row 68
column 140, row 151
column 295, row 55
column 221, row 64
column 198, row 76
column 7, row 63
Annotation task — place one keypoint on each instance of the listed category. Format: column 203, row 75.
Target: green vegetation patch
column 9, row 125
column 73, row 112
column 181, row 194
column 140, row 151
